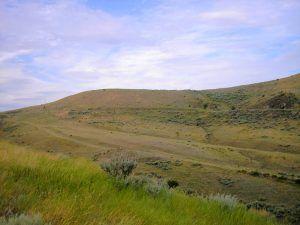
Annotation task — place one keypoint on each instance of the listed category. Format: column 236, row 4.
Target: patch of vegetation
column 227, row 201
column 231, row 98
column 255, row 173
column 152, row 186
column 155, row 188
column 196, row 164
column 178, row 163
column 161, row 164
column 226, row 182
column 172, row 183
column 292, row 215
column 284, row 177
column 283, row 101
column 120, row 166
column 10, row 128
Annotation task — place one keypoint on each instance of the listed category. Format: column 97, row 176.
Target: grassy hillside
column 242, row 141
column 244, row 97
column 75, row 191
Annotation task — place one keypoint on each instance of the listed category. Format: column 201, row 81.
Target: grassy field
column 75, row 191
column 242, row 141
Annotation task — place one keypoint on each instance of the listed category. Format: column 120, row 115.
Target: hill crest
column 244, row 97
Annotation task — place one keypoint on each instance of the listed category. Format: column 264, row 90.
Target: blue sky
column 51, row 49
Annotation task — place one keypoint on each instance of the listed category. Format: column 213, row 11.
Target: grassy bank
column 75, row 191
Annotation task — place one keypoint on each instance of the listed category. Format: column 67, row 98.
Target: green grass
column 76, row 191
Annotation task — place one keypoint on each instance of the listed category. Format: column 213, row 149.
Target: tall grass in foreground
column 75, row 191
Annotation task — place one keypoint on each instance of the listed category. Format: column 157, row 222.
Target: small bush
column 155, row 188
column 172, row 183
column 178, row 163
column 161, row 164
column 228, row 201
column 197, row 164
column 226, row 182
column 137, row 181
column 23, row 220
column 150, row 185
column 282, row 177
column 266, row 174
column 119, row 167
column 254, row 173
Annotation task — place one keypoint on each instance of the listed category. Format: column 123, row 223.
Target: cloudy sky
column 50, row 49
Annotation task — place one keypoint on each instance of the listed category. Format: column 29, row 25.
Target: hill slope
column 242, row 140
column 74, row 192
column 247, row 96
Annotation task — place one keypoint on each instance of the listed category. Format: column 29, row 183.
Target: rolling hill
column 244, row 97
column 242, row 141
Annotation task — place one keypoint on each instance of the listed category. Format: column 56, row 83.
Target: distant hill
column 244, row 97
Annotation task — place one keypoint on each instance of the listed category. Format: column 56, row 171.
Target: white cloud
column 11, row 55
column 223, row 15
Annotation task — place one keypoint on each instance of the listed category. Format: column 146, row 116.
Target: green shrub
column 137, row 181
column 23, row 220
column 155, row 188
column 255, row 173
column 178, row 163
column 161, row 164
column 226, row 181
column 152, row 186
column 120, row 166
column 228, row 201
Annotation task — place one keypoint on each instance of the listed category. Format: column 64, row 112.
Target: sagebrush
column 152, row 186
column 120, row 166
column 228, row 201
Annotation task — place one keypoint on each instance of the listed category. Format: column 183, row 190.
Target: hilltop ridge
column 245, row 96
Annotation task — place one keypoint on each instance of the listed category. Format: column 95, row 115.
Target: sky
column 51, row 49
